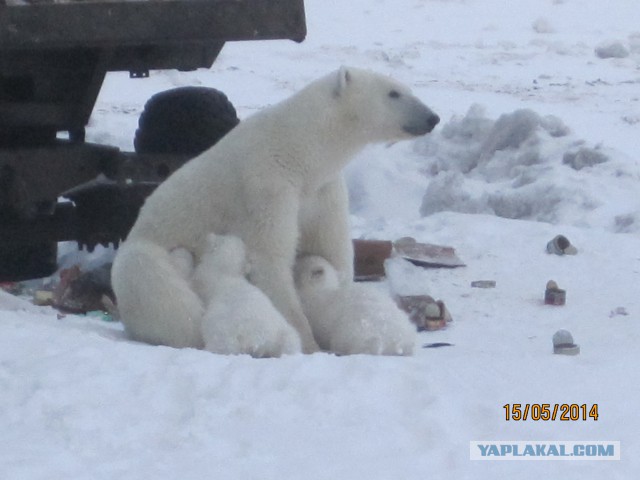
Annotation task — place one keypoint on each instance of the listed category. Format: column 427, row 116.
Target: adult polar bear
column 276, row 182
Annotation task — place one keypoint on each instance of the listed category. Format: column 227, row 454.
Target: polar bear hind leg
column 171, row 313
column 183, row 261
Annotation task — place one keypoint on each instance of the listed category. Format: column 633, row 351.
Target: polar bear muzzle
column 423, row 120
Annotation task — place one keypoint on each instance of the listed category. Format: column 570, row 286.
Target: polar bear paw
column 373, row 334
column 258, row 343
column 229, row 333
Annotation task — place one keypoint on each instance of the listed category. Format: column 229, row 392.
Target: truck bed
column 54, row 55
column 37, row 24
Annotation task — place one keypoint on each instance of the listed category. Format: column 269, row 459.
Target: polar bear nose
column 422, row 126
column 433, row 121
column 422, row 120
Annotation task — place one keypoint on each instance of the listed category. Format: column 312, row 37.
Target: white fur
column 354, row 319
column 275, row 181
column 183, row 261
column 238, row 317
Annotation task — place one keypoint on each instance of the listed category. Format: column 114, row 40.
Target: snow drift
column 527, row 166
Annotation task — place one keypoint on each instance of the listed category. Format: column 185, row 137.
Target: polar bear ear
column 343, row 80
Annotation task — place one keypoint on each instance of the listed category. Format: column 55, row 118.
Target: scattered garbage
column 82, row 292
column 560, row 245
column 101, row 315
column 71, row 290
column 483, row 284
column 370, row 256
column 554, row 295
column 427, row 255
column 425, row 312
column 618, row 311
column 13, row 288
column 563, row 343
column 43, row 298
column 437, row 345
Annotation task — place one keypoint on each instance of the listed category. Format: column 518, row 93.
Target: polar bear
column 275, row 181
column 358, row 318
column 238, row 317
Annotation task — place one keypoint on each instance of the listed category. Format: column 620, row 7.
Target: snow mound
column 527, row 166
column 584, row 157
column 12, row 303
column 612, row 49
column 542, row 25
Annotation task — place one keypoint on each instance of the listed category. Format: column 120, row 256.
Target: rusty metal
column 369, row 257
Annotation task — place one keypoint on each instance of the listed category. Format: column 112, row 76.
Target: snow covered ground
column 539, row 137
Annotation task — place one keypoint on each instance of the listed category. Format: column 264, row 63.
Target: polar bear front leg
column 270, row 237
column 275, row 279
column 325, row 229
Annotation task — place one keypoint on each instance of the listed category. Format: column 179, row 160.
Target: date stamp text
column 545, row 412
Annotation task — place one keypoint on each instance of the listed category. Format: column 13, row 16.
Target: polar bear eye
column 394, row 94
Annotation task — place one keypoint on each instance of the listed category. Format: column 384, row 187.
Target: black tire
column 186, row 120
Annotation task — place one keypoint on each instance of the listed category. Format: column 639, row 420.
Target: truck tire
column 185, row 120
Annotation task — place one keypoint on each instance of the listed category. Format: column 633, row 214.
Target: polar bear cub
column 350, row 319
column 238, row 318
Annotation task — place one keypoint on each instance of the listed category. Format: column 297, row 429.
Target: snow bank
column 612, row 49
column 527, row 166
column 80, row 401
column 12, row 303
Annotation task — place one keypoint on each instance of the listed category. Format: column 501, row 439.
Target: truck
column 54, row 56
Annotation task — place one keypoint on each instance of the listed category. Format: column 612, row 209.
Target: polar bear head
column 224, row 254
column 315, row 274
column 380, row 108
